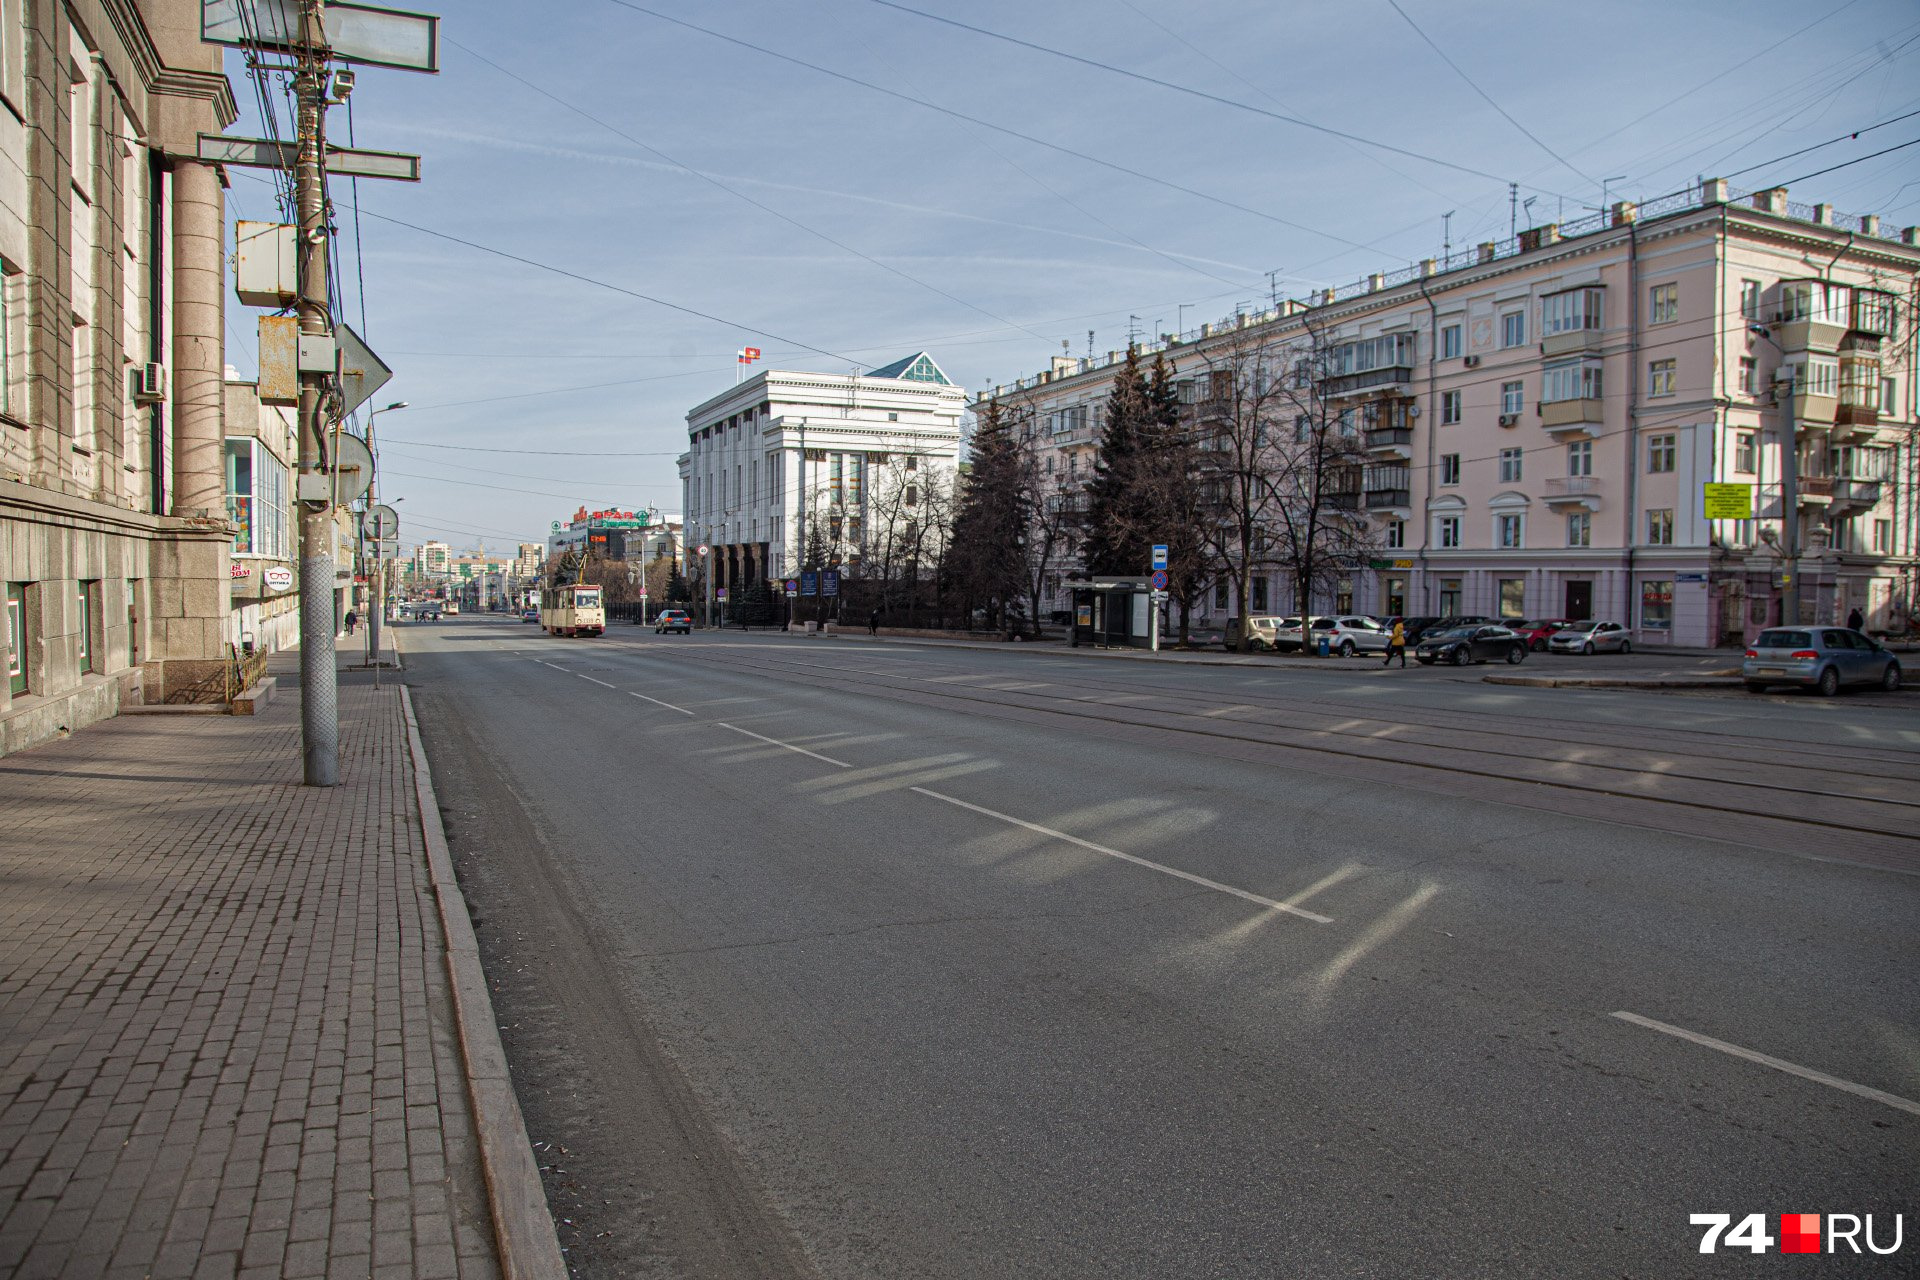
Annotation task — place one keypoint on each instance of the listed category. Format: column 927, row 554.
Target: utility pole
column 319, row 695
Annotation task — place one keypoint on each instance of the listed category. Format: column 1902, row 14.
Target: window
column 1570, row 380
column 1513, row 329
column 17, row 637
column 1580, row 458
column 1571, row 312
column 8, row 279
column 1883, row 537
column 1510, row 531
column 1814, row 376
column 1449, row 407
column 1302, row 429
column 1660, row 377
column 83, row 602
column 1656, row 604
column 1396, row 534
column 1580, row 529
column 1749, row 375
column 1513, row 397
column 1659, row 453
column 1260, row 593
column 1450, row 342
column 1660, row 527
column 1220, row 593
column 1889, row 398
column 1744, row 452
column 1449, row 468
column 1513, row 597
column 1450, row 597
column 240, row 493
column 1663, row 304
column 1750, row 299
column 910, row 496
column 1510, row 465
column 1447, row 531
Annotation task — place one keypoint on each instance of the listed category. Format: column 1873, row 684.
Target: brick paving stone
column 226, row 1033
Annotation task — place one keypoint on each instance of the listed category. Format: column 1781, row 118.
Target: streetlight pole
column 377, row 614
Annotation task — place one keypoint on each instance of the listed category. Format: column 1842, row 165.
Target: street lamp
column 377, row 614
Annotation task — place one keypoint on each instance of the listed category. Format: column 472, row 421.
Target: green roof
column 918, row 367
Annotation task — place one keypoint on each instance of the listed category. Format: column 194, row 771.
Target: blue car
column 1823, row 658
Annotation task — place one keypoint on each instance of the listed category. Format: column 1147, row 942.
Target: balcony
column 1396, row 442
column 1341, row 500
column 1817, row 491
column 1572, row 417
column 1573, row 491
column 1388, row 380
column 1389, row 501
column 1854, row 495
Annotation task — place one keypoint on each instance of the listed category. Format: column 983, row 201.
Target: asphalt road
column 829, row 958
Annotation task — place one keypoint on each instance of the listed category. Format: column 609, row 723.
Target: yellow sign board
column 1727, row 501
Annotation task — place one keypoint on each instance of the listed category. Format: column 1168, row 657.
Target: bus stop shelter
column 1113, row 612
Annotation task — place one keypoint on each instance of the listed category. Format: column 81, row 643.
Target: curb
column 1604, row 682
column 523, row 1227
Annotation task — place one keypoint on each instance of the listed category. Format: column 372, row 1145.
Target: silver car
column 1348, row 635
column 1823, row 658
column 1590, row 636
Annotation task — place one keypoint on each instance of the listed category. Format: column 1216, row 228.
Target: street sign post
column 274, row 153
column 361, row 372
column 370, row 35
column 1159, row 555
column 1160, row 582
column 793, row 587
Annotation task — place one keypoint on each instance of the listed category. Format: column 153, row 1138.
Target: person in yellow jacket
column 1397, row 643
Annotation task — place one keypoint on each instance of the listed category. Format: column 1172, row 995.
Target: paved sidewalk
column 227, row 1035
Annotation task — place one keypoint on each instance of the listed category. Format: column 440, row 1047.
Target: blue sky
column 832, row 225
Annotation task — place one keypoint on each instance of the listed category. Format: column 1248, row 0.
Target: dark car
column 1822, row 658
column 1537, row 631
column 1463, row 645
column 1434, row 626
column 673, row 620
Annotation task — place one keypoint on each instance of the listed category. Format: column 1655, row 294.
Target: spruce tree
column 988, row 557
column 1114, row 542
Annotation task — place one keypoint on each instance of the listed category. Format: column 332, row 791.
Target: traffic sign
column 793, row 586
column 372, row 35
column 361, row 372
column 1159, row 555
column 1159, row 579
column 702, row 550
column 719, row 593
column 556, row 526
column 382, row 523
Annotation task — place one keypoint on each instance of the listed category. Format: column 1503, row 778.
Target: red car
column 1537, row 631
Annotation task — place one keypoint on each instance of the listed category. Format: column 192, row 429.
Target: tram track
column 1831, row 815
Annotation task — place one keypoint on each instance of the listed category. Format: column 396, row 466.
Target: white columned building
column 788, row 457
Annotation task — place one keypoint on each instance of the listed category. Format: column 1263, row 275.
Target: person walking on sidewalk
column 353, row 620
column 1854, row 621
column 873, row 623
column 1397, row 643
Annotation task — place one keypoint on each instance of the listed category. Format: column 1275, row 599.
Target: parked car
column 1259, row 633
column 1462, row 645
column 673, row 620
column 1434, row 626
column 1823, row 658
column 1591, row 636
column 1537, row 631
column 1344, row 634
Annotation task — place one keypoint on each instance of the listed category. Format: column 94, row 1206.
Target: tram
column 574, row 610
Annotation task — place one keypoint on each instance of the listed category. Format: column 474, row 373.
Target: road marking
column 1778, row 1064
column 602, row 683
column 1150, row 865
column 656, row 702
column 775, row 742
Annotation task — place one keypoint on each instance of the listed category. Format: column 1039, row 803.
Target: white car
column 1345, row 634
column 1591, row 636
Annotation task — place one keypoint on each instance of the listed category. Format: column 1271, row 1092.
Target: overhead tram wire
column 1222, row 201
column 1845, row 137
column 737, row 194
column 1486, row 97
column 1202, row 94
column 547, row 453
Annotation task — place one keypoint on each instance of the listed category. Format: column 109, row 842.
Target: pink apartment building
column 1541, row 420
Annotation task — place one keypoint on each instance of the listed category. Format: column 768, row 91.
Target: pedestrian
column 1397, row 643
column 873, row 623
column 353, row 620
column 1855, row 621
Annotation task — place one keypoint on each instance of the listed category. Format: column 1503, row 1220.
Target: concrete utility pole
column 319, row 696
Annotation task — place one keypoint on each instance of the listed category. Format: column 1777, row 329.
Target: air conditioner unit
column 1509, row 419
column 1472, row 362
column 149, row 383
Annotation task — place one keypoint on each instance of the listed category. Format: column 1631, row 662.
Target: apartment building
column 842, row 453
column 1546, row 421
column 114, row 543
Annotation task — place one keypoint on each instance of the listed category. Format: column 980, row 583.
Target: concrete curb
column 1608, row 682
column 523, row 1226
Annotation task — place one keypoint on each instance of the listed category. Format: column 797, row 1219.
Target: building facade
column 787, row 457
column 262, row 454
column 1540, row 421
column 113, row 531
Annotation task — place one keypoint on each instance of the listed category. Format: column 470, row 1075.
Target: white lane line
column 1150, row 865
column 656, row 702
column 602, row 683
column 1778, row 1064
column 775, row 742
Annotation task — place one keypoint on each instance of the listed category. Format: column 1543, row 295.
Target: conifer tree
column 988, row 558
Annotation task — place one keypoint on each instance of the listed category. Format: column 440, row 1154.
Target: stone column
column 199, row 327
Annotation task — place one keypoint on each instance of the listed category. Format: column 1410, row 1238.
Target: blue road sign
column 1159, row 579
column 793, row 586
column 1159, row 555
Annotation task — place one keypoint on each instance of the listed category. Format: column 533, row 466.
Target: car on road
column 1822, row 658
column 1590, row 635
column 530, row 614
column 673, row 620
column 1537, row 631
column 1463, row 645
column 1344, row 634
